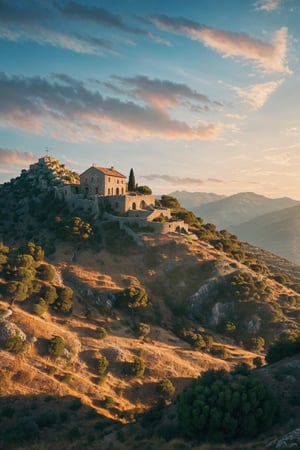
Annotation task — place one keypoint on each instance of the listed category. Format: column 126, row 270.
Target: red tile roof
column 110, row 171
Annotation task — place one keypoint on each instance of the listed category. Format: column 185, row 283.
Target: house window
column 108, row 191
column 109, row 179
column 117, row 191
column 86, row 180
column 92, row 179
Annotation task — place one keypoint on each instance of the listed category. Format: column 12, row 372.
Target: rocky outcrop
column 9, row 329
column 5, row 313
column 290, row 440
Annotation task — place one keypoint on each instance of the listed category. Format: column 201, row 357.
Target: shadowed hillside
column 278, row 232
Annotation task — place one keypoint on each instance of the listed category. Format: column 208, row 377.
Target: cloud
column 269, row 57
column 292, row 131
column 257, row 95
column 180, row 180
column 267, row 5
column 46, row 36
column 69, row 111
column 97, row 15
column 161, row 94
column 8, row 157
column 39, row 22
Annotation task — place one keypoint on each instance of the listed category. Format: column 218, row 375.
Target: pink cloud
column 257, row 95
column 9, row 157
column 269, row 57
column 71, row 112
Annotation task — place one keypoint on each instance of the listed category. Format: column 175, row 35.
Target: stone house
column 102, row 181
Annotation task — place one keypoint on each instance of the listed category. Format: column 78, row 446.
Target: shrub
column 144, row 190
column 101, row 333
column 41, row 307
column 258, row 361
column 64, row 303
column 256, row 343
column 47, row 272
column 15, row 344
column 24, row 261
column 102, row 365
column 56, row 346
column 137, row 367
column 143, row 329
column 287, row 344
column 132, row 297
column 49, row 294
column 166, row 389
column 17, row 291
column 169, row 202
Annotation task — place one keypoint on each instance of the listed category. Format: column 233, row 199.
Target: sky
column 195, row 95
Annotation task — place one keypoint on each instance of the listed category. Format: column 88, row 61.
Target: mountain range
column 270, row 223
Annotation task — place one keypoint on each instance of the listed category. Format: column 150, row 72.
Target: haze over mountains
column 272, row 224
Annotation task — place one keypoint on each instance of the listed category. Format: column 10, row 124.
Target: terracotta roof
column 107, row 171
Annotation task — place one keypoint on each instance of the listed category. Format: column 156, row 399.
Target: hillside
column 278, row 232
column 239, row 208
column 96, row 327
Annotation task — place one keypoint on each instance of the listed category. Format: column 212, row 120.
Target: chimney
column 112, row 168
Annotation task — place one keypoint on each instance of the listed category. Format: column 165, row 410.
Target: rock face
column 5, row 313
column 290, row 440
column 8, row 330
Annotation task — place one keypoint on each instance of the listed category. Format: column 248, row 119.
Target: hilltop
column 133, row 310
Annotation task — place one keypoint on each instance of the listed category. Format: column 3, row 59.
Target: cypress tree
column 131, row 181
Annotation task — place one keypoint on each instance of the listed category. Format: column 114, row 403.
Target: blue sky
column 200, row 95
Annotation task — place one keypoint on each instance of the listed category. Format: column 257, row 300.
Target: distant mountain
column 192, row 200
column 278, row 232
column 242, row 207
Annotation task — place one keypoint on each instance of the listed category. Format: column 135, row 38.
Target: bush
column 41, row 307
column 101, row 333
column 49, row 294
column 166, row 389
column 56, row 346
column 17, row 291
column 15, row 344
column 137, row 367
column 256, row 344
column 132, row 298
column 144, row 190
column 102, row 365
column 64, row 303
column 220, row 406
column 143, row 329
column 47, row 272
column 287, row 344
column 169, row 202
